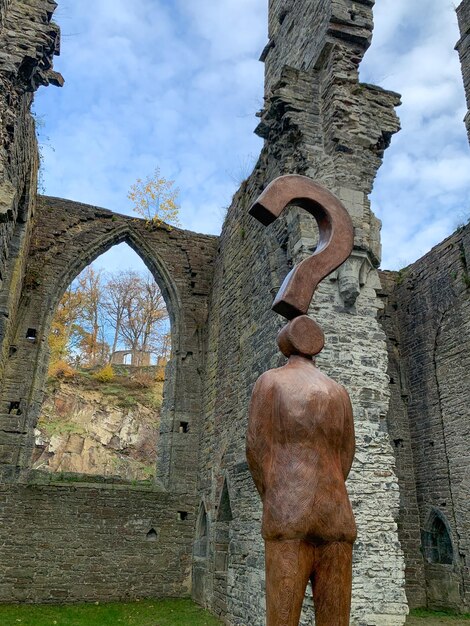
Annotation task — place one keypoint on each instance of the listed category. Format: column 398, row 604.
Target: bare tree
column 98, row 314
column 119, row 290
column 144, row 317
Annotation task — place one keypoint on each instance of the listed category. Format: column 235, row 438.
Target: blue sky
column 177, row 84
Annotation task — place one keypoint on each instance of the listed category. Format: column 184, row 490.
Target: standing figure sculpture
column 300, row 441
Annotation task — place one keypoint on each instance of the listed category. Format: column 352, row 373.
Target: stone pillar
column 317, row 120
column 463, row 47
column 28, row 42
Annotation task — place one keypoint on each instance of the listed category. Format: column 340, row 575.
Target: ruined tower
column 463, row 48
column 318, row 120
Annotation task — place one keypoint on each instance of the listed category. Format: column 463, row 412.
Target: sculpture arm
column 258, row 440
column 348, row 447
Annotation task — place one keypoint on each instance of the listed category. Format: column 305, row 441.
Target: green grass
column 125, row 389
column 451, row 615
column 143, row 613
column 59, row 427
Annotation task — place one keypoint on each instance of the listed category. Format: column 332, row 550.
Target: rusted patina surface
column 300, row 441
column 334, row 246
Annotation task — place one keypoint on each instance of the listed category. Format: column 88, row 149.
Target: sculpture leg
column 331, row 584
column 288, row 568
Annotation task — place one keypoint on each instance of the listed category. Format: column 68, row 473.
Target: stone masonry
column 196, row 531
column 28, row 41
column 427, row 321
column 66, row 237
column 77, row 542
column 320, row 121
column 463, row 47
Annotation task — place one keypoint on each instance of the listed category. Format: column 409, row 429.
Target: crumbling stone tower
column 28, row 41
column 318, row 120
column 463, row 48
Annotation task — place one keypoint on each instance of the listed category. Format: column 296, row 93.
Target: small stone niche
column 182, row 516
column 183, row 427
column 31, row 334
column 152, row 535
column 15, row 408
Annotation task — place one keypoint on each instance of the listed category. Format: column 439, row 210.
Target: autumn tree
column 155, row 199
column 93, row 345
column 100, row 313
column 66, row 332
column 144, row 317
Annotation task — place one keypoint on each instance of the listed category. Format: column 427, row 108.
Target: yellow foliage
column 61, row 369
column 105, row 374
column 160, row 375
column 155, row 199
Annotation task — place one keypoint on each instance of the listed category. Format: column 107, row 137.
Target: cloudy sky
column 176, row 83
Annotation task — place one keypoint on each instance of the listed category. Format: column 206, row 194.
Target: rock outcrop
column 102, row 431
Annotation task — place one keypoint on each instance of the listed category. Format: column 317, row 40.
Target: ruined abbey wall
column 93, row 542
column 428, row 325
column 426, row 319
column 71, row 542
column 74, row 541
column 66, row 237
column 28, row 41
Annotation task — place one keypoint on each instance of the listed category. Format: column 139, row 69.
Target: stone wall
column 399, row 432
column 320, row 121
column 67, row 236
column 463, row 47
column 79, row 542
column 429, row 314
column 28, row 41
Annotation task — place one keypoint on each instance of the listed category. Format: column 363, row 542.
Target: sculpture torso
column 300, row 450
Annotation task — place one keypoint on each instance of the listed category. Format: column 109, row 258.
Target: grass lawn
column 143, row 613
column 160, row 613
column 423, row 617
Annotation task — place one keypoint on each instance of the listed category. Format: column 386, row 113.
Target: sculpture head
column 301, row 336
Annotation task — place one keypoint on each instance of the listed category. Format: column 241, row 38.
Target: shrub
column 61, row 369
column 160, row 375
column 105, row 374
column 143, row 379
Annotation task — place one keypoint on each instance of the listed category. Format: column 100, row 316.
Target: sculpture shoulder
column 339, row 389
column 343, row 392
column 266, row 381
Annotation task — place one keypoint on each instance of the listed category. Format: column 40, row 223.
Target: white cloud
column 177, row 85
column 423, row 187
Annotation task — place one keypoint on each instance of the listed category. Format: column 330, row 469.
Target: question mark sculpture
column 300, row 440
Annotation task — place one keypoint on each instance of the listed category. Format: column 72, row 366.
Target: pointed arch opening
column 201, row 544
column 437, row 541
column 224, row 513
column 222, row 535
column 110, row 341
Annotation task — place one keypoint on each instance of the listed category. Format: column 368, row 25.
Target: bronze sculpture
column 300, row 440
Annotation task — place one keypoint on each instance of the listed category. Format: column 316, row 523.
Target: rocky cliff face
column 107, row 429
